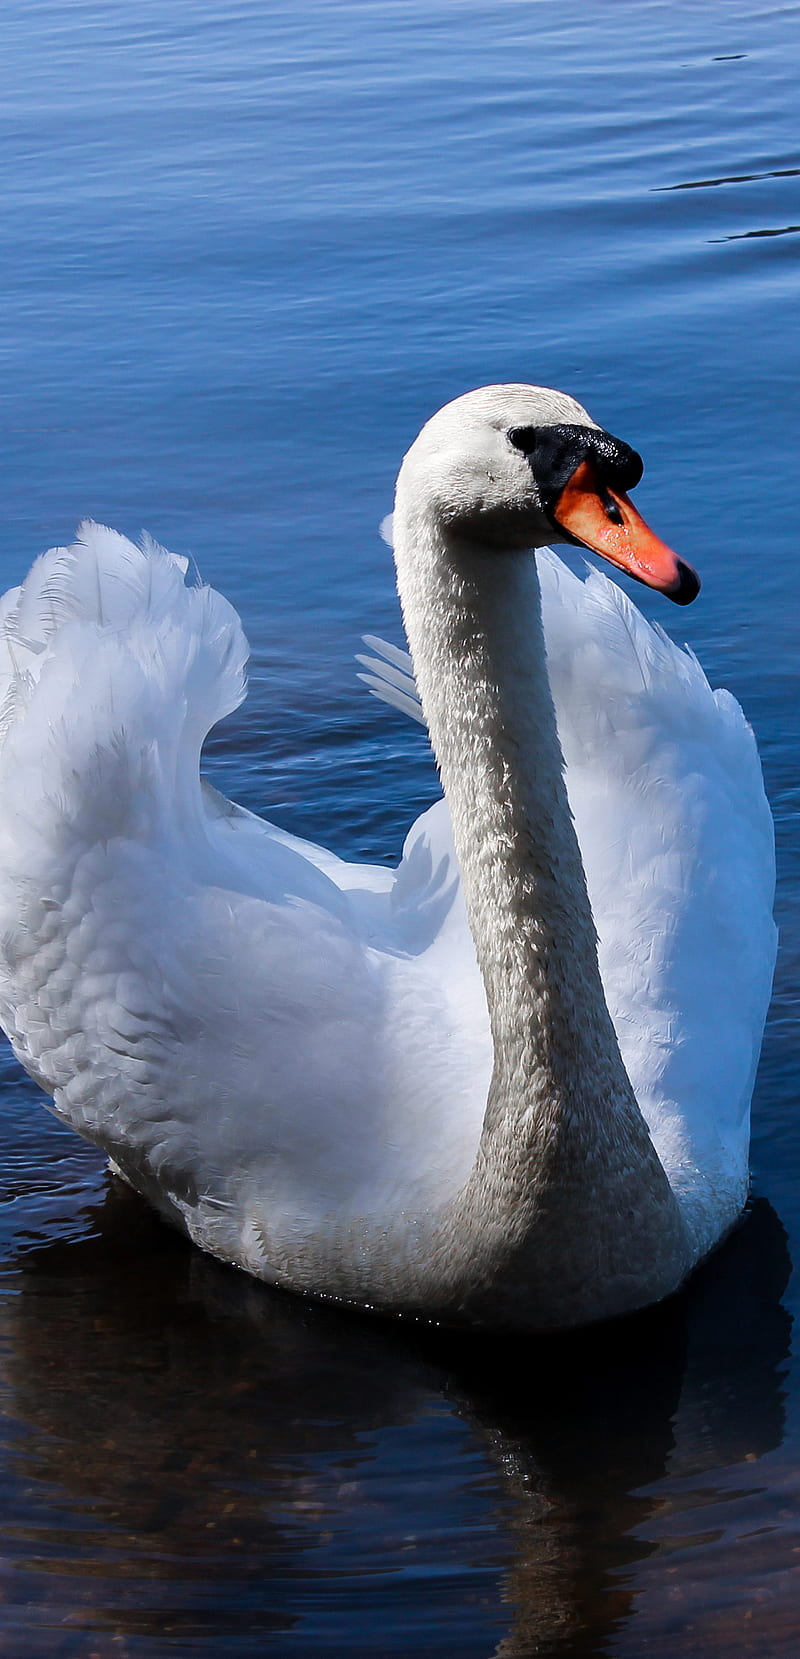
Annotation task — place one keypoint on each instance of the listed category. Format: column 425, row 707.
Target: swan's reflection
column 617, row 1417
column 194, row 1459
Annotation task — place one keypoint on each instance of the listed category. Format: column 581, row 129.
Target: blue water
column 247, row 251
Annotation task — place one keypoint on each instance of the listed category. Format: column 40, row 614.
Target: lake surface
column 248, row 250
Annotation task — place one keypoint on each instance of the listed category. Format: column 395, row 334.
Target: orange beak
column 607, row 521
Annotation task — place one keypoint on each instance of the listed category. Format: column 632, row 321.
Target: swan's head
column 514, row 467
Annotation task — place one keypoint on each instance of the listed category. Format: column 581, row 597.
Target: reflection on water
column 192, row 1457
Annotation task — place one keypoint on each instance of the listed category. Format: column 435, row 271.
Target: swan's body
column 291, row 1056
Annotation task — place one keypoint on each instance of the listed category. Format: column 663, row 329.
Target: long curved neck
column 565, row 1168
column 479, row 656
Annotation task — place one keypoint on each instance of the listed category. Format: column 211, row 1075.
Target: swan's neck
column 565, row 1170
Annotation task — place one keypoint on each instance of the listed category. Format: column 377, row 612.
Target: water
column 247, row 251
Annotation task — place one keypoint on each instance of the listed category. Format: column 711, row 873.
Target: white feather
column 232, row 1013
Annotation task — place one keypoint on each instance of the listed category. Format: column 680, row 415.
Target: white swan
column 403, row 1088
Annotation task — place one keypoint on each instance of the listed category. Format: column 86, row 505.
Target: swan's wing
column 676, row 834
column 666, row 789
column 390, row 676
column 199, row 995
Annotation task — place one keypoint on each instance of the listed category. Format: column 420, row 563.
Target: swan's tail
column 112, row 671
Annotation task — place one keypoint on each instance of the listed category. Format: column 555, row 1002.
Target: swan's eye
column 612, row 510
column 523, row 438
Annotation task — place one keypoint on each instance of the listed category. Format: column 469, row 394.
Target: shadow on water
column 196, row 1460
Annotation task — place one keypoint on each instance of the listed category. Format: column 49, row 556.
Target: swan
column 505, row 1084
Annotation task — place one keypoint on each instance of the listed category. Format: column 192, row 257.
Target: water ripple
column 747, row 235
column 729, row 178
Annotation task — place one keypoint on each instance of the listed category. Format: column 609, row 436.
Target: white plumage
column 676, row 835
column 280, row 1049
